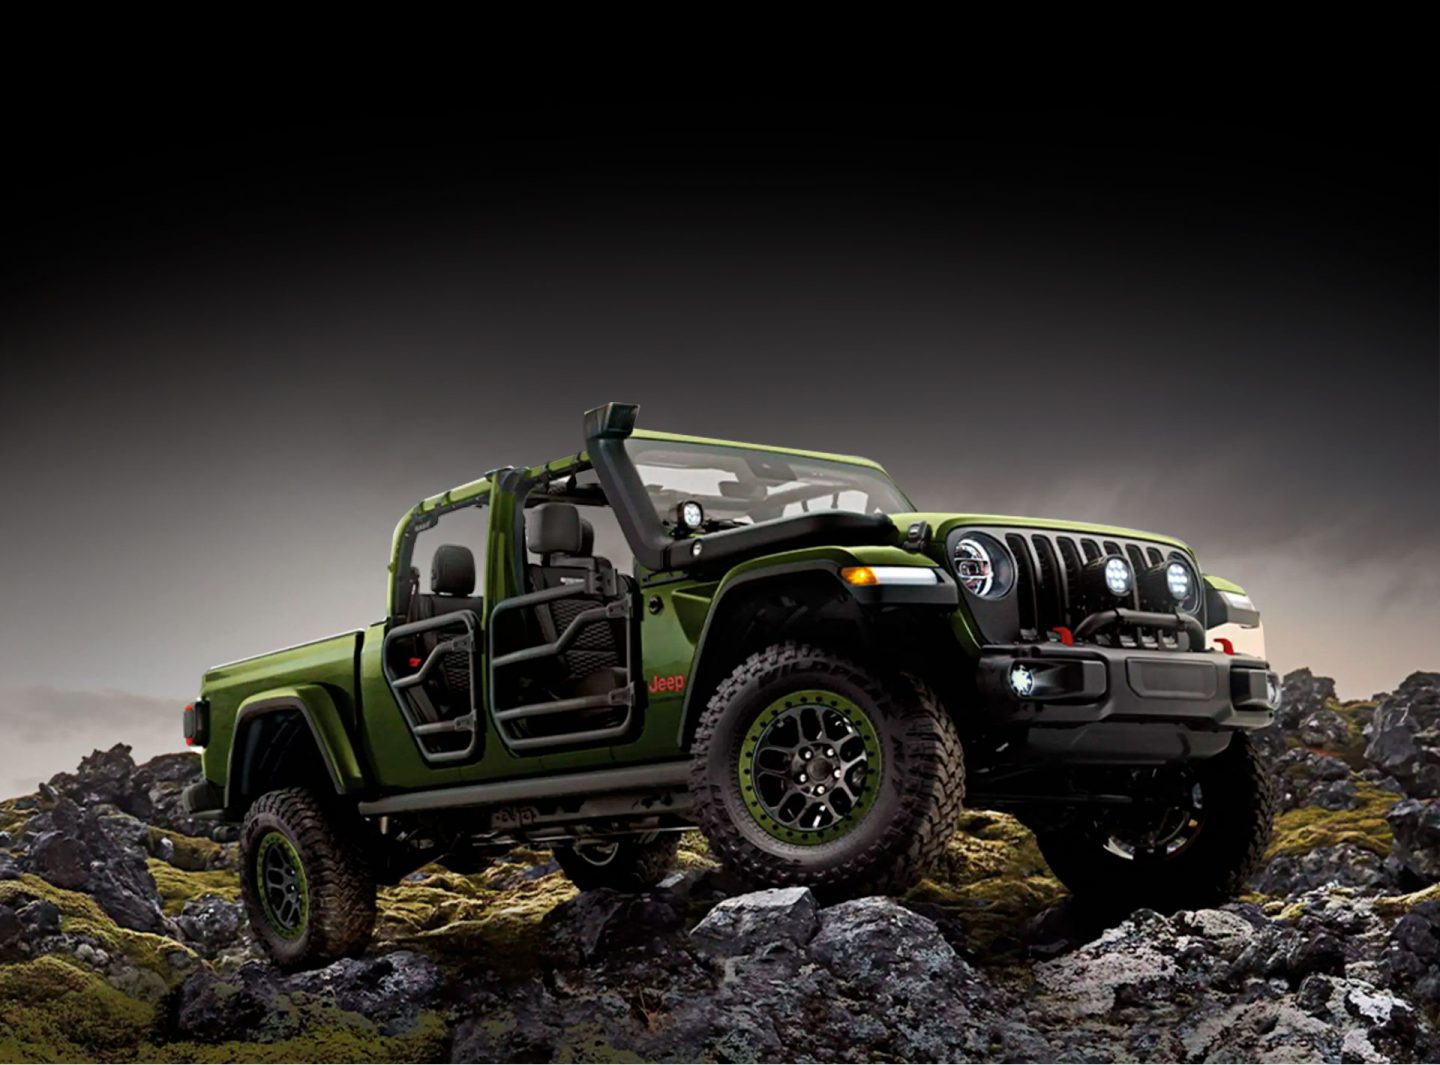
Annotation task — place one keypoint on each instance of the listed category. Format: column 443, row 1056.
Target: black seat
column 452, row 580
column 565, row 543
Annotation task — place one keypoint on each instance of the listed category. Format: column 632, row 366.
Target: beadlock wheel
column 810, row 767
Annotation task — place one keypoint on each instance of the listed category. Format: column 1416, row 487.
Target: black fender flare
column 326, row 727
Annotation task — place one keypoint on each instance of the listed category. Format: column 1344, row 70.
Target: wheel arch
column 807, row 600
column 288, row 737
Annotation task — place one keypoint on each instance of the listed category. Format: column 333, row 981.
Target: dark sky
column 237, row 349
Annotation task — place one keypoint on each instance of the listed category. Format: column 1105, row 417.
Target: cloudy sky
column 236, row 352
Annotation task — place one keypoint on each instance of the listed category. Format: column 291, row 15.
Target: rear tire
column 307, row 888
column 1214, row 847
column 808, row 770
column 627, row 863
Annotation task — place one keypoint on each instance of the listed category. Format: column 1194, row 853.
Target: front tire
column 308, row 891
column 627, row 863
column 809, row 770
column 1196, row 853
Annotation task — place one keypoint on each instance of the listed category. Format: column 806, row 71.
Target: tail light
column 197, row 723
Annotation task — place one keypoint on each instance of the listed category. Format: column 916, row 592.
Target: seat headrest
column 452, row 571
column 587, row 539
column 555, row 529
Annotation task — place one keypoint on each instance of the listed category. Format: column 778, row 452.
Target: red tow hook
column 415, row 663
column 1066, row 636
column 1225, row 645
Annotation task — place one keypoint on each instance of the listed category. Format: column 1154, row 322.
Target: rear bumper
column 1093, row 704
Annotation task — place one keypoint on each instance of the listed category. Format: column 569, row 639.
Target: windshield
column 741, row 486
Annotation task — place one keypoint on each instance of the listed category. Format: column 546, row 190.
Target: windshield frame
column 739, row 510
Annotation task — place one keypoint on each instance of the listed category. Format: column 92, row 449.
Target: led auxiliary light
column 1177, row 580
column 1272, row 690
column 1117, row 576
column 690, row 515
column 1022, row 680
column 1169, row 586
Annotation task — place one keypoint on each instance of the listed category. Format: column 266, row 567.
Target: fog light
column 1272, row 690
column 1022, row 680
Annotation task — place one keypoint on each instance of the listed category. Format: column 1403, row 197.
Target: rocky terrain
column 121, row 939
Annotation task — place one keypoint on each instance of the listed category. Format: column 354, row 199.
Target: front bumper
column 1109, row 705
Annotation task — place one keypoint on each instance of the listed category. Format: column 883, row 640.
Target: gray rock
column 1415, row 824
column 1405, row 735
column 742, row 924
column 390, row 989
column 1301, row 695
column 10, row 869
column 74, row 849
column 211, row 924
column 12, row 933
column 1310, row 779
column 1326, row 729
column 1344, row 864
column 40, row 917
column 1411, row 961
column 596, row 923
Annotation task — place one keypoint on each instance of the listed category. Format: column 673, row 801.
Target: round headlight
column 1117, row 576
column 1177, row 579
column 982, row 564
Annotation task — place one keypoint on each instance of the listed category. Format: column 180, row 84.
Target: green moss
column 192, row 853
column 694, row 853
column 179, row 886
column 992, row 876
column 1302, row 830
column 342, row 1043
column 1399, row 905
column 1354, row 712
column 79, row 915
column 493, row 916
column 13, row 820
column 52, row 1009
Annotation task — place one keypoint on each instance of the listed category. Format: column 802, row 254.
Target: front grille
column 1047, row 588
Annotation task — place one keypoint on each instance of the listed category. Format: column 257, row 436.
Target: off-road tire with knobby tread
column 341, row 888
column 637, row 864
column 922, row 778
column 1240, row 800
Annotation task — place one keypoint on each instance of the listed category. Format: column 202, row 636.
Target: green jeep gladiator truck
column 797, row 663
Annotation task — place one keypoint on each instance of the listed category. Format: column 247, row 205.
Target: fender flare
column 745, row 581
column 327, row 728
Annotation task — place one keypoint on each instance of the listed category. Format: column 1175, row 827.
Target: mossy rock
column 360, row 1042
column 1308, row 827
column 493, row 916
column 1399, row 905
column 53, row 1009
column 81, row 916
column 992, row 876
column 191, row 853
column 13, row 820
column 179, row 886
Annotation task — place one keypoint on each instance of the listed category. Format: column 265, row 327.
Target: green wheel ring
column 751, row 742
column 285, row 856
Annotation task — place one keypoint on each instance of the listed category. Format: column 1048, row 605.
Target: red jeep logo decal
column 674, row 683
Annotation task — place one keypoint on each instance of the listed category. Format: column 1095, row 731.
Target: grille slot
column 1024, row 581
column 1050, row 593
